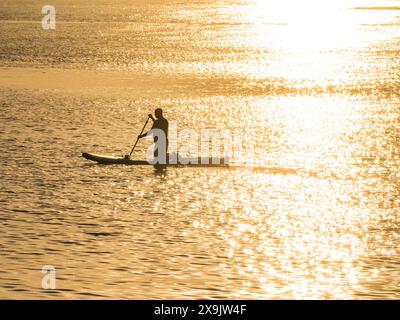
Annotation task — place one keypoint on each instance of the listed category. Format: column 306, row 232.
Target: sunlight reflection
column 312, row 24
column 311, row 249
column 313, row 29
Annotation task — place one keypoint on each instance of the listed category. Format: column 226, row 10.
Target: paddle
column 133, row 149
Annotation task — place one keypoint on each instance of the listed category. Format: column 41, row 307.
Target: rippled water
column 317, row 217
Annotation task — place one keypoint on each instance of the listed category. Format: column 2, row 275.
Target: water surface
column 317, row 218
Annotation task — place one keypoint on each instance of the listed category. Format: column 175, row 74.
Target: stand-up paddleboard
column 172, row 161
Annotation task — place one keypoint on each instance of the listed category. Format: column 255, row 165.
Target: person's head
column 158, row 113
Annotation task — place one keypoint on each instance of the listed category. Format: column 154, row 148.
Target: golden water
column 318, row 83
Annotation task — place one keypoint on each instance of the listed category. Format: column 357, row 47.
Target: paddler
column 159, row 131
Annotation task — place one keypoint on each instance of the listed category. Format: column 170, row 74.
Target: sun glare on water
column 297, row 41
column 311, row 24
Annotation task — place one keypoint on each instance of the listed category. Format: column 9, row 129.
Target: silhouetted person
column 159, row 123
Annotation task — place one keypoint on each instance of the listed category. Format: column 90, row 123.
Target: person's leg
column 160, row 151
column 166, row 151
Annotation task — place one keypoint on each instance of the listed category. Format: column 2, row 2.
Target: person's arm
column 145, row 134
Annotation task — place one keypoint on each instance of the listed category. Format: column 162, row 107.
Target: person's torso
column 161, row 124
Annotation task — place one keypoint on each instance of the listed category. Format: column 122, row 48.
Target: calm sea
column 319, row 84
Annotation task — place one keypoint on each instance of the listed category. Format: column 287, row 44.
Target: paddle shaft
column 137, row 140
